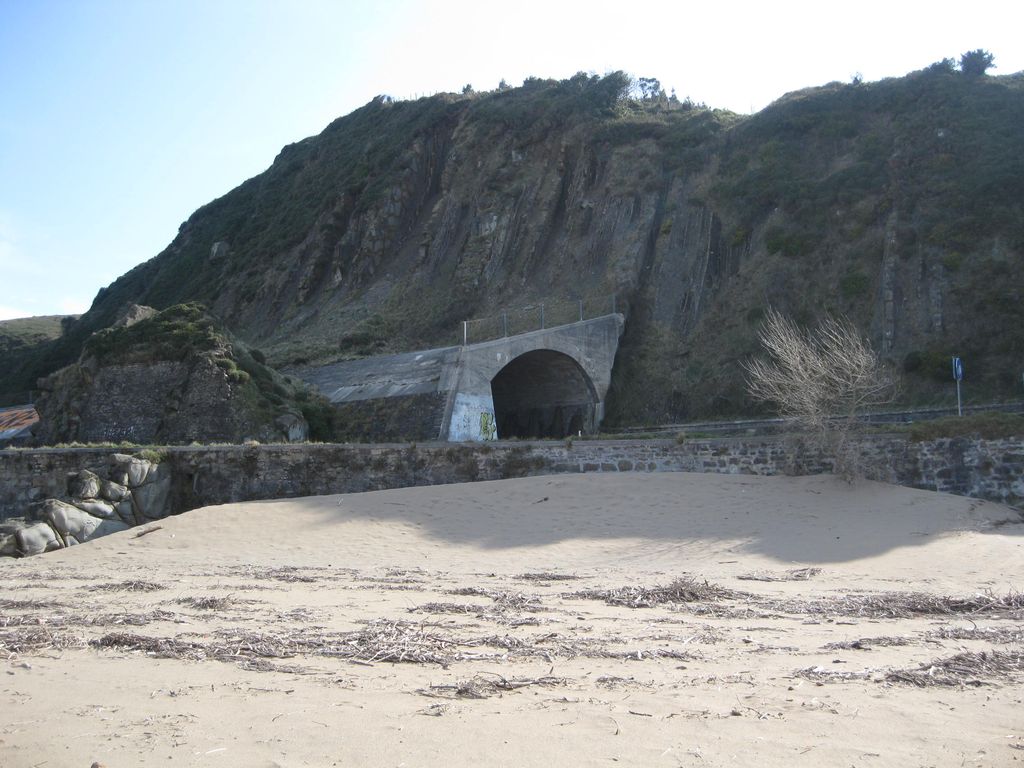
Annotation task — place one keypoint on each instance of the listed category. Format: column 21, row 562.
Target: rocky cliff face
column 896, row 203
column 169, row 378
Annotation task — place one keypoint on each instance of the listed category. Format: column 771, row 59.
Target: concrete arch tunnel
column 543, row 393
column 546, row 383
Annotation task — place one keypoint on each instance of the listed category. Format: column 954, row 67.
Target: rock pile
column 129, row 491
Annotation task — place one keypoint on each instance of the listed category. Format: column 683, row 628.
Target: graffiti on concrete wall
column 488, row 429
column 473, row 419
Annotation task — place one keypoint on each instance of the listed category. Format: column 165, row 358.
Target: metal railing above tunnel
column 535, row 317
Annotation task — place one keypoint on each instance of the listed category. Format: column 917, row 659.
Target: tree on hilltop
column 975, row 63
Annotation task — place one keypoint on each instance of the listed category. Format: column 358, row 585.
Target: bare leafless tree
column 822, row 379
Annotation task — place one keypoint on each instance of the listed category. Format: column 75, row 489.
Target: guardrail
column 535, row 317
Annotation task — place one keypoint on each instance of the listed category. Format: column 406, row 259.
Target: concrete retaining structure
column 550, row 382
column 204, row 475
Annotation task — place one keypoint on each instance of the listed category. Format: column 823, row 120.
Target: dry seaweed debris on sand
column 495, row 613
column 207, row 603
column 796, row 574
column 447, row 608
column 866, row 643
column 25, row 605
column 250, row 650
column 684, row 590
column 546, row 576
column 287, row 573
column 158, row 647
column 968, row 668
column 1012, row 634
column 395, row 641
column 380, row 641
column 14, row 642
column 483, row 686
column 821, row 674
column 513, row 601
column 131, row 586
column 86, row 619
column 903, row 605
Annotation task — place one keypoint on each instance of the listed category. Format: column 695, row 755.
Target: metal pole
column 959, row 411
column 542, row 317
column 504, row 320
column 581, row 310
column 465, row 332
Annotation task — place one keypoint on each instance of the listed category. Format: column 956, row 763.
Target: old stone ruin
column 129, row 491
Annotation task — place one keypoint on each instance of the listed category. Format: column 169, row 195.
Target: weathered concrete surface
column 546, row 383
column 383, row 376
column 536, row 378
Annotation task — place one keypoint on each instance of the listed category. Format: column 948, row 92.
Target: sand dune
column 267, row 633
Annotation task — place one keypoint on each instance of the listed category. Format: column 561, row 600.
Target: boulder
column 8, row 545
column 84, row 484
column 112, row 491
column 72, row 523
column 153, row 500
column 126, row 511
column 38, row 538
column 133, row 314
column 95, row 507
column 118, row 472
column 138, row 472
column 128, row 470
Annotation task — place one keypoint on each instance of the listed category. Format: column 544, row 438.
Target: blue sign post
column 958, row 374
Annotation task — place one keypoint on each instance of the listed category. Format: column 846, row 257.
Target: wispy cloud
column 9, row 313
column 73, row 305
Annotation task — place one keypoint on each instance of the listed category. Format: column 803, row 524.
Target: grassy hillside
column 30, row 331
column 22, row 342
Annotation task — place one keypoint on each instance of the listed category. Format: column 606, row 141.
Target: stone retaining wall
column 203, row 475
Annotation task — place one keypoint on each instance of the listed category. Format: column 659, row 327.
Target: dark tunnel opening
column 543, row 394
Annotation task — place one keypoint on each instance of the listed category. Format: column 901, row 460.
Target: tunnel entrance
column 543, row 393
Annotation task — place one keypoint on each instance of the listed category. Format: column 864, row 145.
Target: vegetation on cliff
column 897, row 204
column 170, row 377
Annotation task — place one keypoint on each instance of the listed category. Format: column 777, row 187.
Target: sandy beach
column 627, row 619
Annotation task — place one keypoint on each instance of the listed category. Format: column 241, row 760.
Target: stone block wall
column 203, row 475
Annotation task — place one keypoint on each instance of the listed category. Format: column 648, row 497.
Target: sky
column 118, row 118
